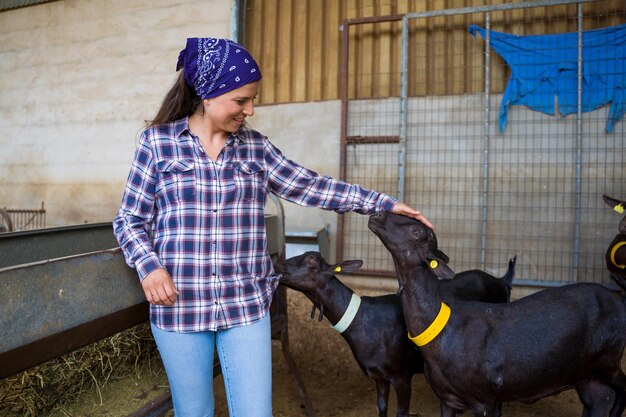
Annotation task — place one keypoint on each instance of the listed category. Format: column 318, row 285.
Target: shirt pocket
column 249, row 181
column 177, row 179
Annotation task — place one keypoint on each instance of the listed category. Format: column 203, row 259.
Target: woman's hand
column 405, row 210
column 159, row 288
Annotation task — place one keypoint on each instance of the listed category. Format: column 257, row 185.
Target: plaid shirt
column 204, row 221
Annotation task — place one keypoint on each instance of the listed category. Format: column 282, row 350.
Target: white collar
column 349, row 314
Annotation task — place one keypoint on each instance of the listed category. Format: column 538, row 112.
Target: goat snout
column 377, row 218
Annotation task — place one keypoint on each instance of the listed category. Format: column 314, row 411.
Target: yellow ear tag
column 434, row 264
column 338, row 269
column 619, row 208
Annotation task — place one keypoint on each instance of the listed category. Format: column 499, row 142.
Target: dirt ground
column 335, row 384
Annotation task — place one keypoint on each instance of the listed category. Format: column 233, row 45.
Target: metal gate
column 22, row 219
column 496, row 181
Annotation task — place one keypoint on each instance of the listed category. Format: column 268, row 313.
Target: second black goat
column 374, row 327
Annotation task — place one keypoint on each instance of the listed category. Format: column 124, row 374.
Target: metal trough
column 63, row 289
column 67, row 287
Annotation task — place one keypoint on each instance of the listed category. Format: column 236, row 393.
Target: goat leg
column 596, row 398
column 619, row 404
column 403, row 395
column 313, row 312
column 321, row 312
column 382, row 397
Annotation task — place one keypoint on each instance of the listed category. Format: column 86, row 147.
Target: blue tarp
column 546, row 66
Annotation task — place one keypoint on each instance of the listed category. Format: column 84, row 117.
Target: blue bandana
column 216, row 66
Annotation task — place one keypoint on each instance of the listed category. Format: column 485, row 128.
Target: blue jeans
column 246, row 358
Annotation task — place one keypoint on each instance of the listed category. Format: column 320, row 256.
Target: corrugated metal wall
column 298, row 45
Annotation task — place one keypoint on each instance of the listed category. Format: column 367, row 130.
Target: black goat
column 616, row 253
column 555, row 339
column 377, row 335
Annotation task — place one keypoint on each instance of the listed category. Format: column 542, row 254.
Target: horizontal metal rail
column 55, row 306
column 24, row 247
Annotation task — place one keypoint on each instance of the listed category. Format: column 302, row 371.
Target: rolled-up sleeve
column 132, row 223
column 302, row 186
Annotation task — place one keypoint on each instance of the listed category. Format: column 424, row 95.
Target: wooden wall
column 298, row 45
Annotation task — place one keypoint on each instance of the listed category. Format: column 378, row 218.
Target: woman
column 192, row 223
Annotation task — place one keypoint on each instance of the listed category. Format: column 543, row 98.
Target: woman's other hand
column 159, row 288
column 405, row 210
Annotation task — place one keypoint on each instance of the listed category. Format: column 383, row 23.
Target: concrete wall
column 78, row 80
column 308, row 133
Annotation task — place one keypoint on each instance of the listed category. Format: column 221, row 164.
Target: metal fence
column 496, row 181
column 13, row 220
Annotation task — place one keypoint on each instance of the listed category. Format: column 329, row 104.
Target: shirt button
column 214, row 210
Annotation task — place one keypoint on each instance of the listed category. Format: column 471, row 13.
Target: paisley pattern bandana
column 216, row 66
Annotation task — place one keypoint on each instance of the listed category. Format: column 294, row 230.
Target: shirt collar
column 238, row 137
column 182, row 125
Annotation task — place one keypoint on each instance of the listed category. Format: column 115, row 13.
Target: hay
column 41, row 389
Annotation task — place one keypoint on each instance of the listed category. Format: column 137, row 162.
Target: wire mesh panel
column 372, row 149
column 498, row 180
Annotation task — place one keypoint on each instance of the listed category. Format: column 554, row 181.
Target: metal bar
column 377, row 273
column 36, row 245
column 235, row 21
column 404, row 71
column 356, row 140
column 579, row 141
column 345, row 62
column 15, row 4
column 156, row 407
column 280, row 331
column 371, row 19
column 494, row 8
column 486, row 144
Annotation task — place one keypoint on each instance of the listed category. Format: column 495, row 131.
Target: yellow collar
column 614, row 250
column 435, row 327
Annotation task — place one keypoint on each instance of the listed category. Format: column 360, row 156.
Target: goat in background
column 616, row 253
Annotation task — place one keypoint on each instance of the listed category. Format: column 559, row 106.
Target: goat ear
column 615, row 204
column 346, row 266
column 439, row 254
column 440, row 268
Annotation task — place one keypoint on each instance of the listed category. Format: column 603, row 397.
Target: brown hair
column 181, row 101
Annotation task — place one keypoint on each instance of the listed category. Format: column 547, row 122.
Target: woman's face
column 228, row 111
